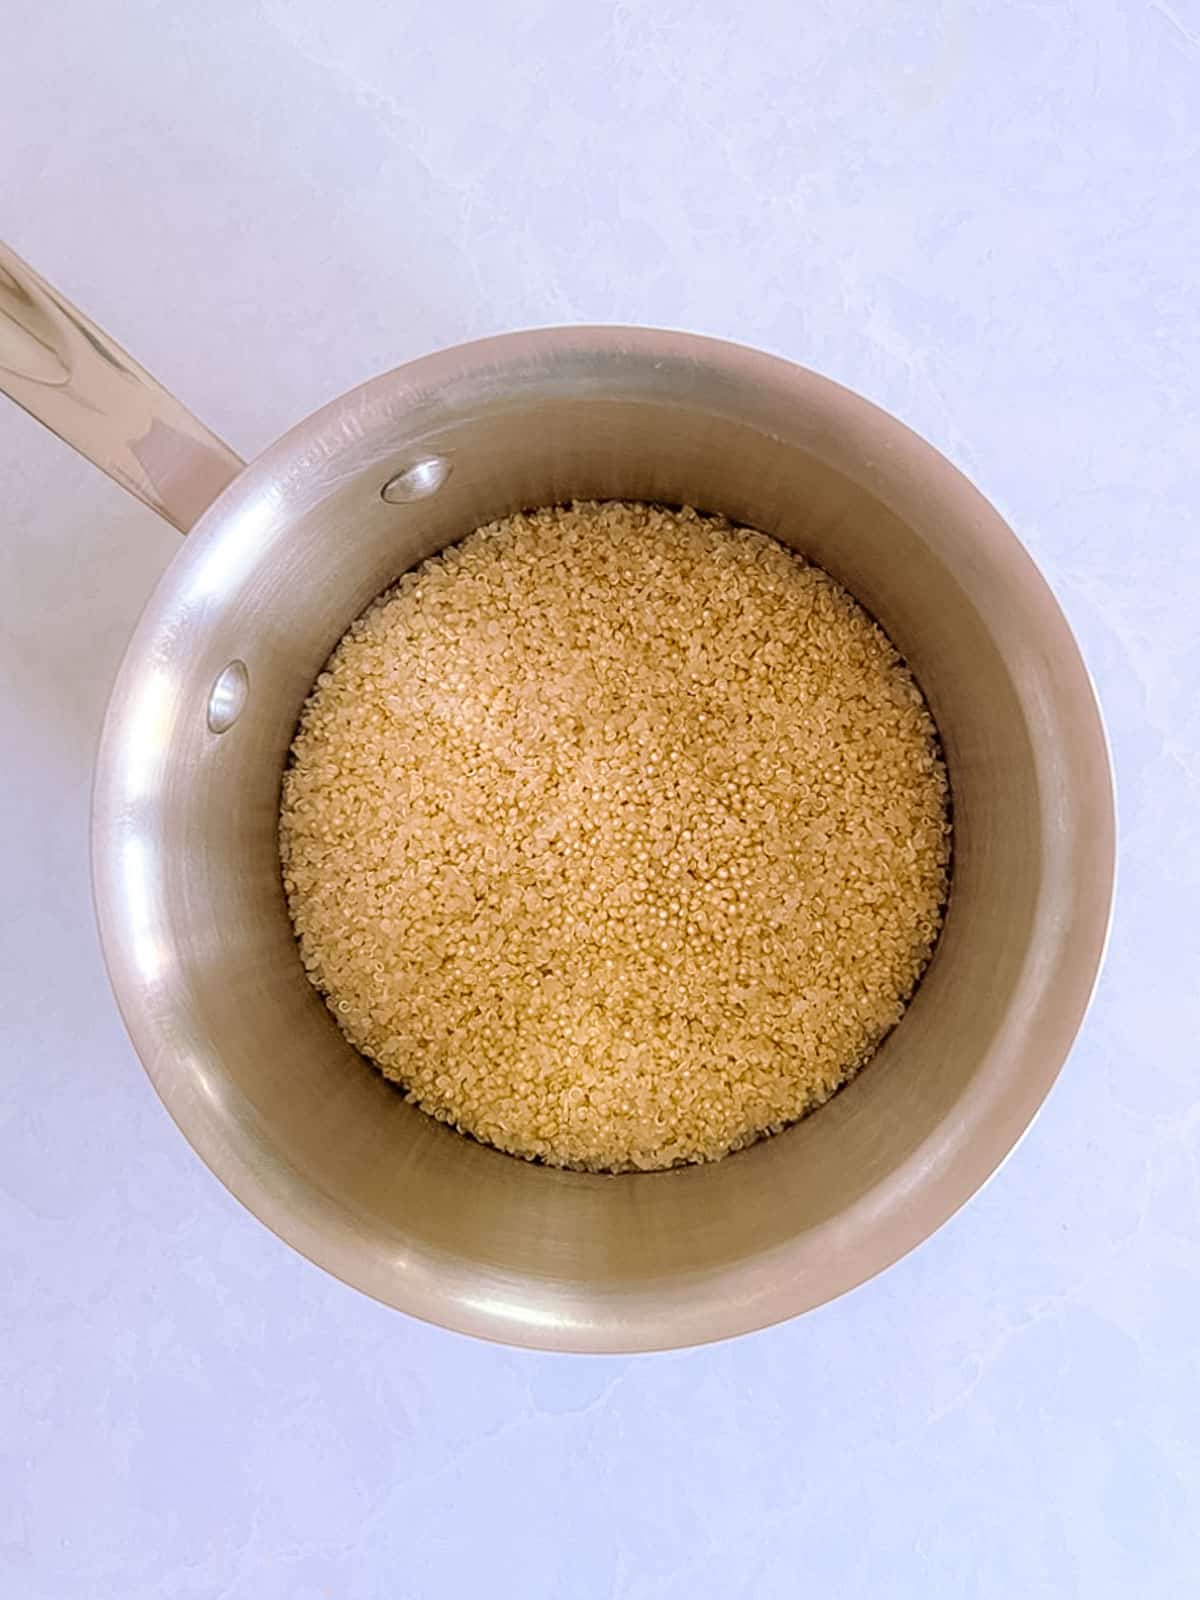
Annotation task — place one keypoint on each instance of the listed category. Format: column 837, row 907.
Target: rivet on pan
column 227, row 700
column 423, row 478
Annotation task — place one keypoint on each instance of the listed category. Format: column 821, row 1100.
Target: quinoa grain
column 617, row 835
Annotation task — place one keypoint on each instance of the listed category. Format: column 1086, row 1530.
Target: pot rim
column 918, row 1196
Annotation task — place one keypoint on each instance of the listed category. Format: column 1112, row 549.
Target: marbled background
column 986, row 217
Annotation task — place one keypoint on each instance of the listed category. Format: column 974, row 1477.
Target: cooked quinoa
column 617, row 835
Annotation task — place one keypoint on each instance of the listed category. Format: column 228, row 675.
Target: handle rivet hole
column 227, row 699
column 418, row 482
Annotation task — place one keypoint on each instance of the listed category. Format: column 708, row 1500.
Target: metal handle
column 70, row 375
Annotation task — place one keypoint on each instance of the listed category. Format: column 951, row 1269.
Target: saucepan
column 282, row 553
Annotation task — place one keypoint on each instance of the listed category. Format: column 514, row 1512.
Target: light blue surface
column 986, row 217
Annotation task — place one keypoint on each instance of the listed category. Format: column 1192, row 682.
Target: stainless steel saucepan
column 282, row 554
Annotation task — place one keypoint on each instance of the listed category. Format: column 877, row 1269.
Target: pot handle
column 67, row 373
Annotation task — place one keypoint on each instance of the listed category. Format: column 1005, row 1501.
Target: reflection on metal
column 147, row 951
column 151, row 713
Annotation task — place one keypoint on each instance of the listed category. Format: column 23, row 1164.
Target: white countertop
column 986, row 217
